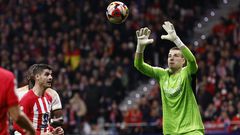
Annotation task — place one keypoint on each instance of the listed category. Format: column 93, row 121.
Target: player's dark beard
column 46, row 86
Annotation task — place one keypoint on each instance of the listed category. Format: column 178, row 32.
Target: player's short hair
column 33, row 70
column 39, row 68
column 30, row 76
column 175, row 48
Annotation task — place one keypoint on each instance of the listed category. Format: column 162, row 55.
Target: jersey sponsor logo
column 173, row 88
column 173, row 92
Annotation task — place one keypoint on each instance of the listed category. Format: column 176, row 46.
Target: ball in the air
column 117, row 12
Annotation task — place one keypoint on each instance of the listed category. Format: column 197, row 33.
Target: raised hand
column 171, row 33
column 142, row 39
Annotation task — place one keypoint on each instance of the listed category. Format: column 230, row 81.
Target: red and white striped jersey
column 56, row 102
column 37, row 110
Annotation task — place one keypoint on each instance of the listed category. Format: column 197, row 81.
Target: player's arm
column 172, row 36
column 22, row 91
column 15, row 113
column 57, row 118
column 58, row 131
column 142, row 66
column 57, row 113
column 191, row 61
column 20, row 118
column 142, row 41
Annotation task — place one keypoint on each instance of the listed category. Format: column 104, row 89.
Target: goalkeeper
column 181, row 114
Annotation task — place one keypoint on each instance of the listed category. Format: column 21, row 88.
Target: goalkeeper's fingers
column 165, row 27
column 148, row 32
column 170, row 25
column 137, row 33
column 149, row 41
column 143, row 31
column 140, row 32
column 165, row 37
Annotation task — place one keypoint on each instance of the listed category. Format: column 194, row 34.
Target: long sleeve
column 145, row 68
column 192, row 66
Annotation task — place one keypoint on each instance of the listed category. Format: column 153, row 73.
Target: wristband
column 178, row 42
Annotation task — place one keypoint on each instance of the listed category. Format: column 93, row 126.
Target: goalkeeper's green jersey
column 180, row 109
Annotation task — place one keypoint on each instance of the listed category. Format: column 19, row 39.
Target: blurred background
column 101, row 92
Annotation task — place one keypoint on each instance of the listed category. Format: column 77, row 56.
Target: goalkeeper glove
column 171, row 34
column 142, row 39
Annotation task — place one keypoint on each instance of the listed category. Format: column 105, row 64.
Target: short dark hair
column 30, row 76
column 33, row 70
column 39, row 68
column 30, row 72
column 174, row 48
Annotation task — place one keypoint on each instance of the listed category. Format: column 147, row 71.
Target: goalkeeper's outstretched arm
column 142, row 41
column 172, row 36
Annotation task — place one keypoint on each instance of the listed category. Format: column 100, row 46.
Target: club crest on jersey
column 45, row 118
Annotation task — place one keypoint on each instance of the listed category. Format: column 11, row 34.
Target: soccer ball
column 117, row 12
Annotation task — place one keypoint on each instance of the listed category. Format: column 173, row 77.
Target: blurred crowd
column 219, row 80
column 93, row 59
